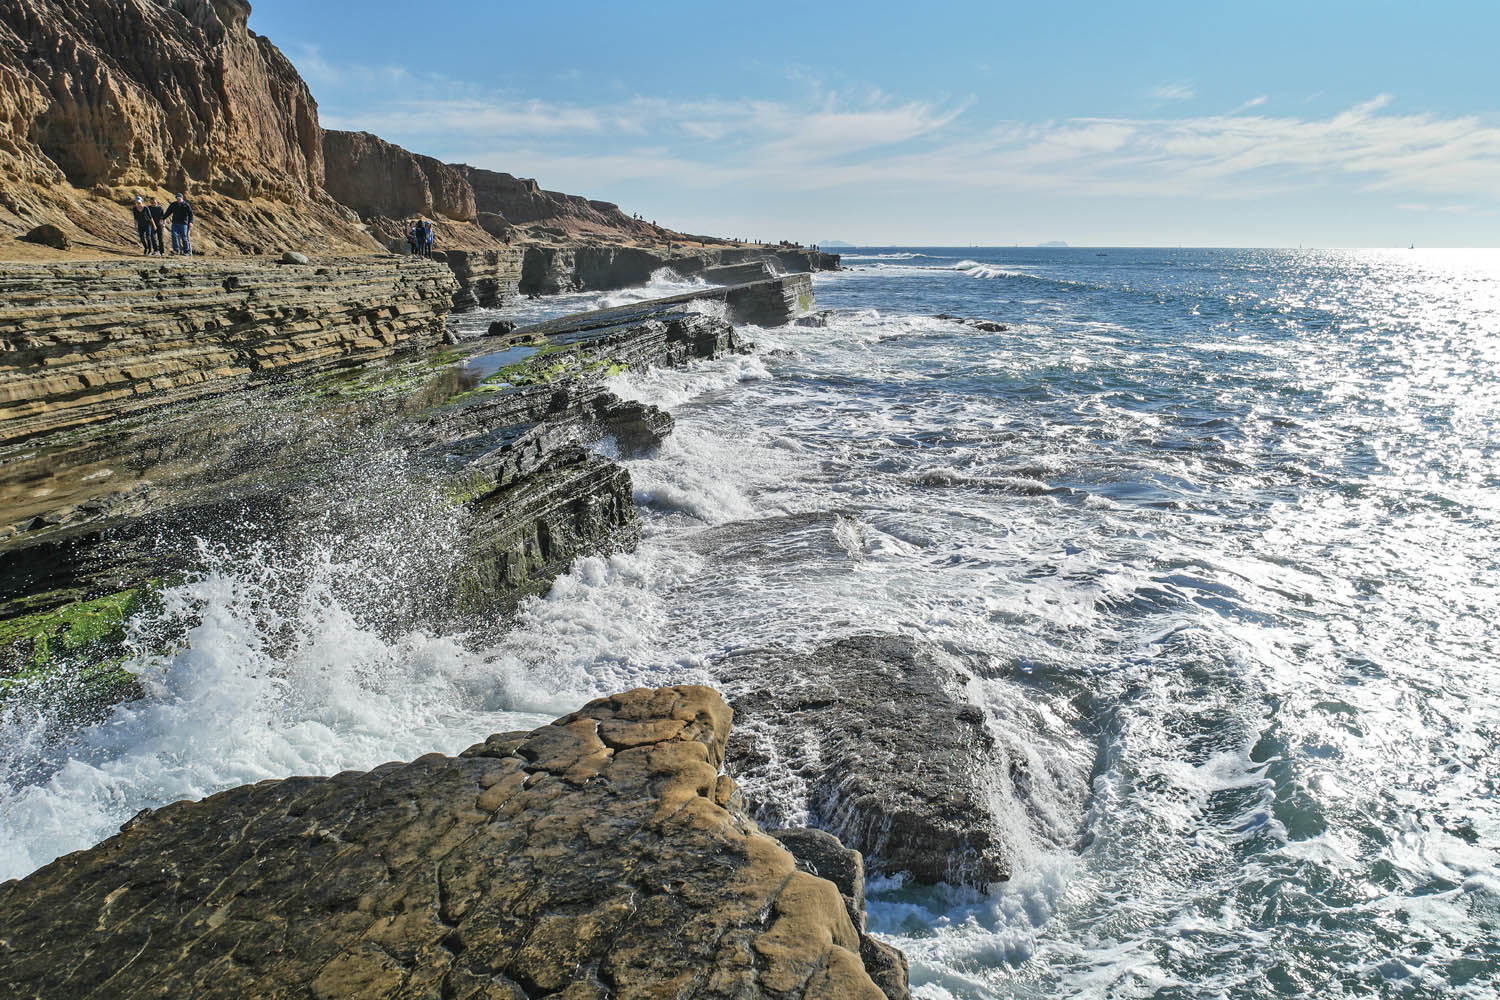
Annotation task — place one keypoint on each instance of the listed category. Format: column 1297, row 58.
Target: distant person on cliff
column 413, row 237
column 181, row 215
column 158, row 223
column 427, row 237
column 142, row 223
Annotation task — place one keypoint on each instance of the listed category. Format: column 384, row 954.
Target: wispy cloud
column 1180, row 91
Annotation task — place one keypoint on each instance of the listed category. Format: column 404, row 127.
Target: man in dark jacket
column 181, row 215
column 143, row 223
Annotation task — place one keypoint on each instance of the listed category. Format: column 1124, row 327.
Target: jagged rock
column 519, row 201
column 500, row 328
column 817, row 319
column 168, row 333
column 988, row 326
column 899, row 767
column 819, row 853
column 293, row 257
column 48, row 235
column 603, row 855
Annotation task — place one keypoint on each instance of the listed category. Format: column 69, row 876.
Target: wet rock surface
column 508, row 455
column 887, row 755
column 603, row 855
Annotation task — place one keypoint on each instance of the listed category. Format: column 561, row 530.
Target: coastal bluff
column 604, row 855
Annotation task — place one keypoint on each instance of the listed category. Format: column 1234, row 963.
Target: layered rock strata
column 487, row 279
column 84, row 342
column 910, row 788
column 511, row 448
column 603, row 855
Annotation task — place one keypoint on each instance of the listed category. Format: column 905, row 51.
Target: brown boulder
column 603, row 855
column 48, row 235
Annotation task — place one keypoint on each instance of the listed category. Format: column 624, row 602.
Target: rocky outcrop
column 548, row 270
column 109, row 99
column 379, row 178
column 507, row 455
column 899, row 764
column 171, row 331
column 603, row 855
column 487, row 279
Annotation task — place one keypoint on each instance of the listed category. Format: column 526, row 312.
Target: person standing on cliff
column 181, row 214
column 142, row 223
column 158, row 223
column 427, row 237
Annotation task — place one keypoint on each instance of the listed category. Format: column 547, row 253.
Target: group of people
column 419, row 238
column 151, row 219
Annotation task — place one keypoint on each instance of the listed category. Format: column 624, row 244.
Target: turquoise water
column 1215, row 532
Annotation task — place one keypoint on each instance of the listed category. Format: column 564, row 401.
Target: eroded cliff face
column 100, row 100
column 379, row 178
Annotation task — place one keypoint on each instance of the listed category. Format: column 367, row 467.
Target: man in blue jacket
column 181, row 214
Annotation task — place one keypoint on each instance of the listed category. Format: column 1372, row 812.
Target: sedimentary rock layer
column 487, row 279
column 603, row 855
column 82, row 342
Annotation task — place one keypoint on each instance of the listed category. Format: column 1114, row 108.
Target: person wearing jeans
column 181, row 215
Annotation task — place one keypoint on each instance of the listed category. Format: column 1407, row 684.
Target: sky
column 878, row 123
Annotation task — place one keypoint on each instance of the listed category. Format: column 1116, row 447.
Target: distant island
column 835, row 243
column 1052, row 243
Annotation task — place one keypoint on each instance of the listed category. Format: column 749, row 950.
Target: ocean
column 1217, row 532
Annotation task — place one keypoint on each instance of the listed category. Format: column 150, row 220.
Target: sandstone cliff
column 605, row 855
column 102, row 100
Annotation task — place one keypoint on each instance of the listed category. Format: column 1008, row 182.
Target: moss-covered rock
column 82, row 644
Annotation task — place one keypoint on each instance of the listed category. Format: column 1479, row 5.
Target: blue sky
column 1267, row 124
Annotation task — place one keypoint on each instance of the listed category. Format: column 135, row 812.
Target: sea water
column 1219, row 528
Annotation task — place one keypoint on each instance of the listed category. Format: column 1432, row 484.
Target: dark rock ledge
column 604, row 855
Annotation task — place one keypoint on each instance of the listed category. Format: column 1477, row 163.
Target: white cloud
column 828, row 139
